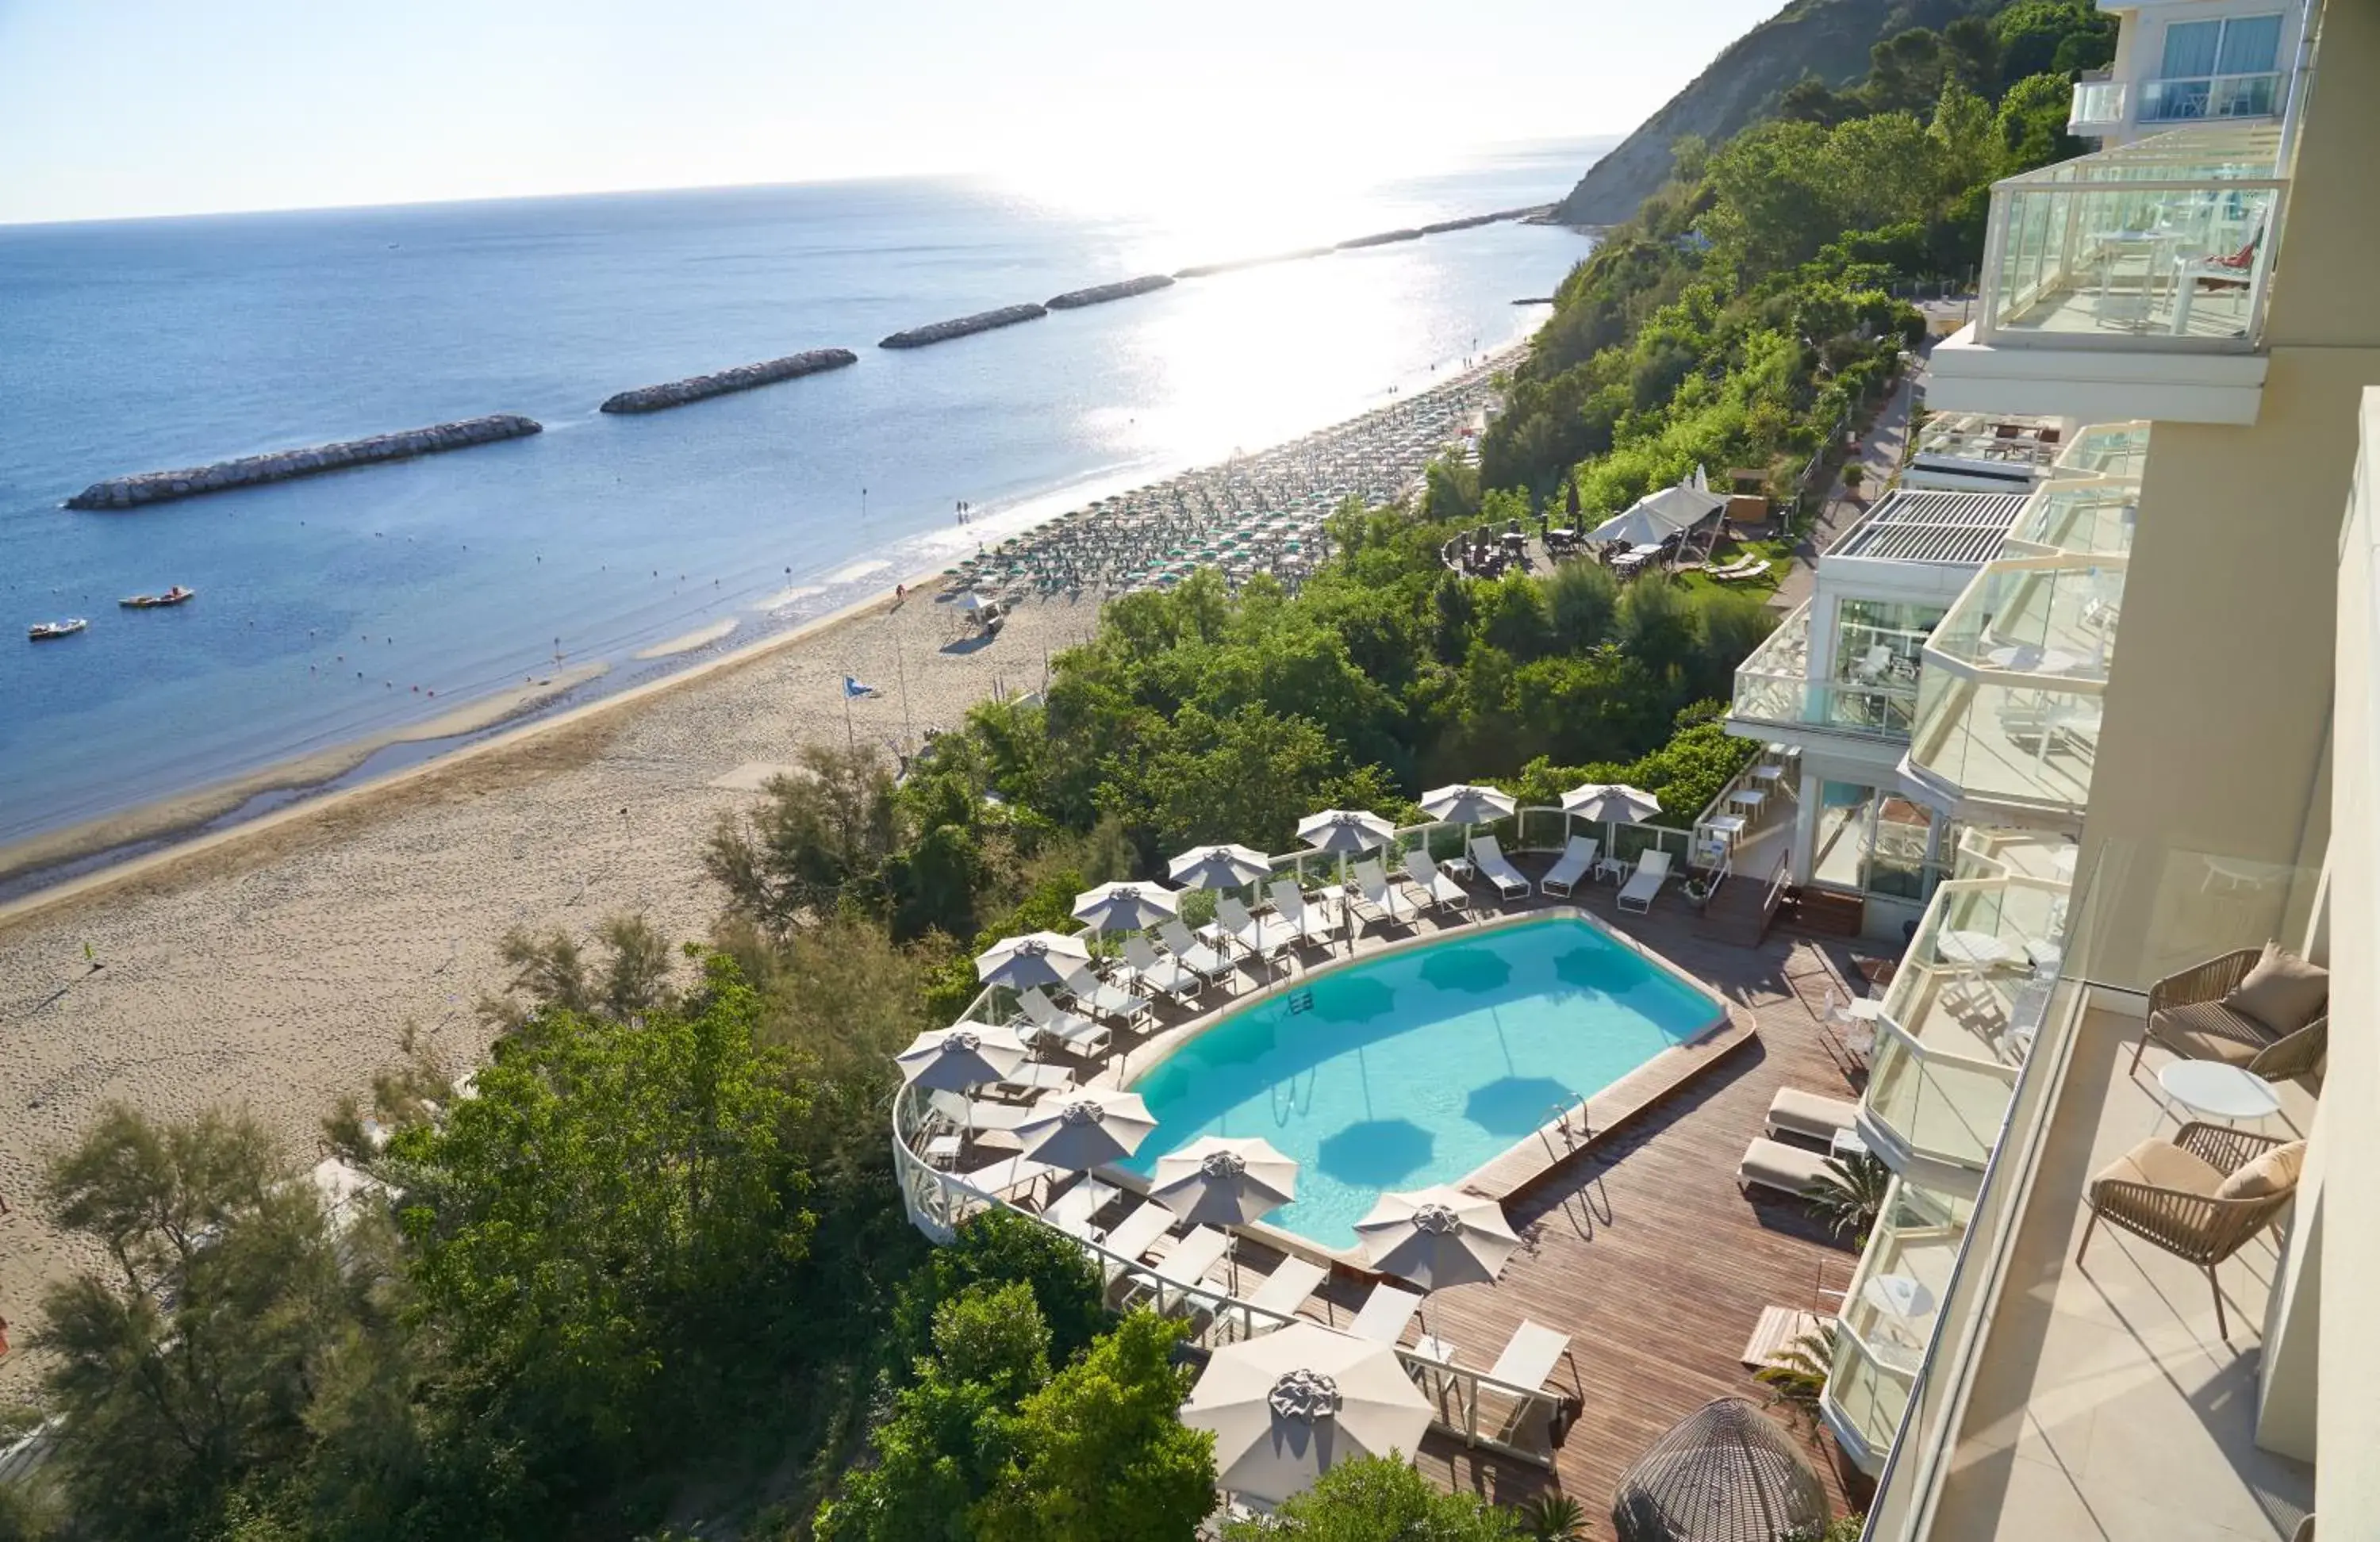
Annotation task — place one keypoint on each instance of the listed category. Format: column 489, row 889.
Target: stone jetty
column 744, row 377
column 280, row 466
column 1381, row 240
column 982, row 321
column 1203, row 269
column 1100, row 294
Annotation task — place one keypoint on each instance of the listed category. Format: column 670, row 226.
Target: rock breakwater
column 1379, row 240
column 1100, row 294
column 982, row 321
column 744, row 377
column 280, row 466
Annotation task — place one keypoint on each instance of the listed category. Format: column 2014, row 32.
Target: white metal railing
column 2197, row 98
column 1477, row 1408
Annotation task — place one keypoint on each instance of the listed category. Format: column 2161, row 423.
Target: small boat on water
column 174, row 596
column 42, row 631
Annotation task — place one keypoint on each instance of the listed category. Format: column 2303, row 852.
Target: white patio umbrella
column 1344, row 832
column 965, row 1055
column 1036, row 958
column 1123, row 907
column 1437, row 1237
column 1467, row 805
column 1224, row 867
column 1216, row 1180
column 1086, row 1126
column 1290, row 1405
column 1611, row 802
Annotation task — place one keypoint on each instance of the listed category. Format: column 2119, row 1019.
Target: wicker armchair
column 2169, row 1193
column 2186, row 1014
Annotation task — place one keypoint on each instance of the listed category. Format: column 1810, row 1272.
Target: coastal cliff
column 744, row 377
column 1100, row 294
column 982, row 321
column 280, row 466
column 1829, row 39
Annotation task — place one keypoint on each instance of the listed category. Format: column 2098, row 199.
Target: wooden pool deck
column 1640, row 1246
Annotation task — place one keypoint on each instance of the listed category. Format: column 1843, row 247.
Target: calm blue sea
column 137, row 345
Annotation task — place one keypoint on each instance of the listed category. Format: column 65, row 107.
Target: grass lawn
column 1778, row 551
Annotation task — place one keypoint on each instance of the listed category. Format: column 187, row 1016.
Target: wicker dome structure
column 1725, row 1473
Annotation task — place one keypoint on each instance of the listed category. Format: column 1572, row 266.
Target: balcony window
column 1872, row 840
column 2216, row 69
column 2108, row 449
column 2161, row 244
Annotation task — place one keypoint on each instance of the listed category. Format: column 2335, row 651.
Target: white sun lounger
column 1530, row 1357
column 1309, row 923
column 1169, row 975
column 1286, row 1290
column 1652, row 871
column 1133, row 1235
column 1035, row 1076
column 1772, row 1164
column 1004, row 1177
column 1577, row 859
column 1070, row 1212
column 1187, row 1264
column 1440, row 889
column 1374, row 893
column 1112, row 1001
column 1262, row 939
column 1488, row 858
column 1386, row 1312
column 1811, row 1115
column 1071, row 1029
column 1204, row 957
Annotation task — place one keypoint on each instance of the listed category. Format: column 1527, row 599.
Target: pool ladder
column 1561, row 1112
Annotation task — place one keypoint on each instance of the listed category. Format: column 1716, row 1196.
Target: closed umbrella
column 953, row 1059
column 1123, row 907
column 1220, row 867
column 1042, row 958
column 1437, row 1237
column 1467, row 805
column 1087, row 1127
column 1287, row 1407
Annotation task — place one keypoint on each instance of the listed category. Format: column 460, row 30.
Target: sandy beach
column 277, row 963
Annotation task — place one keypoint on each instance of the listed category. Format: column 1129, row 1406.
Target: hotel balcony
column 2098, row 1398
column 1956, row 1024
column 2098, row 108
column 2205, row 97
column 1885, row 1325
column 2008, row 702
column 1776, row 696
column 2107, row 450
column 2132, row 283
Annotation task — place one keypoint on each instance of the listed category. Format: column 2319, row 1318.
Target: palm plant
column 1797, row 1377
column 1850, row 1195
column 1551, row 1517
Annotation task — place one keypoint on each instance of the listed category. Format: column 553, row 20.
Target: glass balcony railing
column 1774, row 686
column 2162, row 244
column 2108, row 449
column 1890, row 1309
column 2080, row 516
column 1959, row 1015
column 2098, row 105
column 2207, row 96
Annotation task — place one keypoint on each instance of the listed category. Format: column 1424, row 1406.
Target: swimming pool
column 1417, row 1067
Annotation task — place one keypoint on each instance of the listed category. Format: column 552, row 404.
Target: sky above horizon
column 125, row 108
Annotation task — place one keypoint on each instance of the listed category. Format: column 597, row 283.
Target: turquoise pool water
column 1416, row 1067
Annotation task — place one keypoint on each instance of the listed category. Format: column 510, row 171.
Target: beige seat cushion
column 2161, row 1164
column 1810, row 1113
column 2209, row 1030
column 1787, row 1169
column 2274, row 1173
column 2283, row 992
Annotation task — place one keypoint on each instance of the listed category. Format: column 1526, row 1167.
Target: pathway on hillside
column 1879, row 459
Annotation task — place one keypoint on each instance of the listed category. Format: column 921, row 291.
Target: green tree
column 2032, row 123
column 820, row 836
column 995, row 1247
column 1101, row 1455
column 1379, row 1497
column 552, row 972
column 184, row 1368
column 1581, row 599
column 616, row 1202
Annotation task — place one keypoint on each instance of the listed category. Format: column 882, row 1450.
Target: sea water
column 322, row 603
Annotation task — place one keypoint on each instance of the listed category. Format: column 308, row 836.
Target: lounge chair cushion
column 2209, row 1030
column 2161, row 1164
column 2274, row 1173
column 1788, row 1169
column 2282, row 991
column 1811, row 1113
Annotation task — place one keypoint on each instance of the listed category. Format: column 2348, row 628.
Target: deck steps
column 1739, row 911
column 1827, row 913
